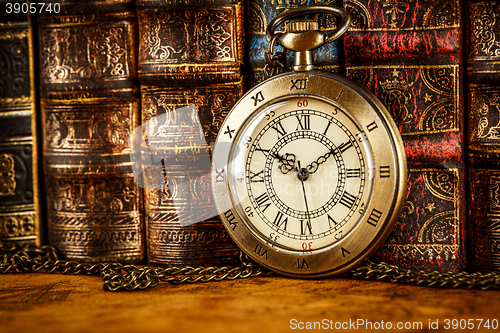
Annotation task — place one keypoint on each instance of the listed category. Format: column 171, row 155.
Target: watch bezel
column 365, row 238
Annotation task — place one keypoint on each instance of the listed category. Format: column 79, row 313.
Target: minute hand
column 313, row 167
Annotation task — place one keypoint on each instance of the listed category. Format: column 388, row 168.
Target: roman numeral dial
column 305, row 172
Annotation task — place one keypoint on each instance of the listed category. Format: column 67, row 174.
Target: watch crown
column 301, row 26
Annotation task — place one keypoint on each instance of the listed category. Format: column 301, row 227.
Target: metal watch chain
column 118, row 277
column 275, row 61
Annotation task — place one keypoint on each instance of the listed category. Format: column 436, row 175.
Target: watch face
column 309, row 174
column 300, row 173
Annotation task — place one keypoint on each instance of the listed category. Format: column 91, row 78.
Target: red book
column 409, row 55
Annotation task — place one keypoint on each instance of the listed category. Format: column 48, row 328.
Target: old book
column 19, row 195
column 191, row 73
column 261, row 12
column 483, row 76
column 409, row 54
column 90, row 104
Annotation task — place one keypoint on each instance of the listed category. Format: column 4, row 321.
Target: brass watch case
column 387, row 195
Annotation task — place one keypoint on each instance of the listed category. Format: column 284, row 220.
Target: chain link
column 116, row 276
column 18, row 259
column 275, row 61
column 130, row 277
column 385, row 272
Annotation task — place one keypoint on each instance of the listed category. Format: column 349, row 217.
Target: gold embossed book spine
column 19, row 196
column 190, row 72
column 409, row 54
column 483, row 78
column 90, row 105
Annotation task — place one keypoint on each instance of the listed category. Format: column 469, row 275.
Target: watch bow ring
column 309, row 168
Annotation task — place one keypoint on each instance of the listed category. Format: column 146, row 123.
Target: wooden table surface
column 40, row 302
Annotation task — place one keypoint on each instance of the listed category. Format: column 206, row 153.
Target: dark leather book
column 483, row 77
column 191, row 74
column 19, row 195
column 261, row 12
column 90, row 104
column 409, row 54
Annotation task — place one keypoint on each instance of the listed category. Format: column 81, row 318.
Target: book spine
column 261, row 12
column 483, row 69
column 20, row 220
column 190, row 72
column 409, row 54
column 89, row 106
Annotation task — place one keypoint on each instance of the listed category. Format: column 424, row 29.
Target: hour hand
column 286, row 162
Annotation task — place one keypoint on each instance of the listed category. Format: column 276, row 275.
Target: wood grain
column 42, row 302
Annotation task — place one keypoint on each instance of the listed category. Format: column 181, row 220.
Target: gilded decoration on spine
column 212, row 104
column 484, row 117
column 429, row 228
column 422, row 99
column 72, row 130
column 97, row 51
column 484, row 134
column 442, row 184
column 16, row 185
column 484, row 31
column 197, row 35
column 178, row 130
column 189, row 236
column 89, row 195
column 8, row 35
column 360, row 16
column 494, row 194
column 398, row 15
column 485, row 219
column 7, row 175
column 79, row 209
column 184, row 196
column 14, row 67
column 17, row 224
column 440, row 229
column 256, row 19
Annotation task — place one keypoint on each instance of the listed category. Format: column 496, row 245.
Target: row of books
column 78, row 171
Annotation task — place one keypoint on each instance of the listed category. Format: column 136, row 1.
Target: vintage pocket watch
column 309, row 169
